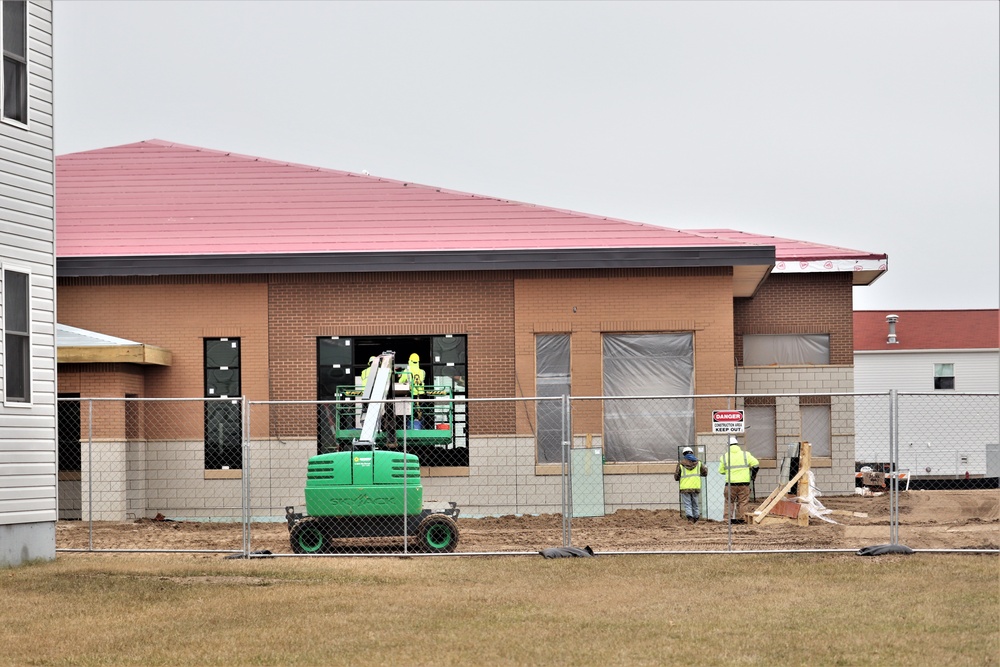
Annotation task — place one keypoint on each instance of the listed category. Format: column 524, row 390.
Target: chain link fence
column 132, row 470
column 518, row 476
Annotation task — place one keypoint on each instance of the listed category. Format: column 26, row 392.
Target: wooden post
column 805, row 461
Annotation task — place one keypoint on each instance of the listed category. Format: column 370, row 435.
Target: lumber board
column 762, row 511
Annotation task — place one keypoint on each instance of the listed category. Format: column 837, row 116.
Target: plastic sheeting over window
column 761, row 433
column 648, row 365
column 551, row 379
column 786, row 350
column 816, row 428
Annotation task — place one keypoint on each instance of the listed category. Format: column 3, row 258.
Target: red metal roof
column 789, row 250
column 156, row 198
column 928, row 330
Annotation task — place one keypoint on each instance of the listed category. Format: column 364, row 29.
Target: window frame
column 26, row 400
column 23, row 62
column 210, row 413
column 941, row 379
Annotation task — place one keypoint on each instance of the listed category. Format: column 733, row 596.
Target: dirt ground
column 928, row 520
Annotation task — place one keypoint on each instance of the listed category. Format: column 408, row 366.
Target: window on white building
column 15, row 60
column 17, row 336
column 944, row 376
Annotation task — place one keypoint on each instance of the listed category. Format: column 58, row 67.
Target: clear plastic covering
column 811, row 501
column 648, row 365
column 786, row 350
column 551, row 379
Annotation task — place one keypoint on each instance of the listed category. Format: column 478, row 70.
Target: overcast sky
column 867, row 125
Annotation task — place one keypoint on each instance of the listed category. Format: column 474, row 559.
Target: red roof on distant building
column 156, row 199
column 928, row 330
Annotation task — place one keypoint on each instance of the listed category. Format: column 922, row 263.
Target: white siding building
column 946, row 366
column 27, row 286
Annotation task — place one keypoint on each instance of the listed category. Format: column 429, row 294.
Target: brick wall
column 809, row 303
column 176, row 313
column 104, row 381
column 278, row 319
column 587, row 304
column 476, row 304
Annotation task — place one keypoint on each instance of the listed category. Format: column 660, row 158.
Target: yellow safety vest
column 413, row 376
column 739, row 473
column 691, row 477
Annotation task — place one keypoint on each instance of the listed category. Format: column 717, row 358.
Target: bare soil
column 928, row 520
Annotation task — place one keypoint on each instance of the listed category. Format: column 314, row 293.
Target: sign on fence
column 727, row 421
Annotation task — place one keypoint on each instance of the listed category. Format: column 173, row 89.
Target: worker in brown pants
column 739, row 467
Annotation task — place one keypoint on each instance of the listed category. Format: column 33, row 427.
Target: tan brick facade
column 176, row 313
column 588, row 304
column 279, row 318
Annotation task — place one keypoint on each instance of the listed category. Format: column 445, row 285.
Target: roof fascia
column 378, row 262
column 115, row 354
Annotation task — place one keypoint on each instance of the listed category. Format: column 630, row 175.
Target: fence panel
column 948, row 448
column 150, row 474
column 633, row 502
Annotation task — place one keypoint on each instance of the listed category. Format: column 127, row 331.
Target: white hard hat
column 733, row 440
column 686, row 450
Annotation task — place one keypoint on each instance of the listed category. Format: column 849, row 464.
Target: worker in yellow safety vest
column 739, row 467
column 413, row 375
column 364, row 373
column 689, row 473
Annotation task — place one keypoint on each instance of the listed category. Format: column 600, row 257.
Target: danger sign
column 727, row 421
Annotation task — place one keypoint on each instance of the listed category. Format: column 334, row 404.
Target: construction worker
column 413, row 375
column 364, row 373
column 739, row 467
column 689, row 473
column 416, row 376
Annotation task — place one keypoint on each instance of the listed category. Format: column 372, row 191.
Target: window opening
column 436, row 433
column 69, row 433
column 816, row 426
column 786, row 350
column 648, row 365
column 223, row 418
column 761, row 427
column 552, row 378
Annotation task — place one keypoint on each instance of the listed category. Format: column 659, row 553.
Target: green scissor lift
column 367, row 489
